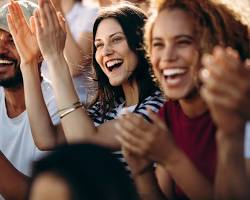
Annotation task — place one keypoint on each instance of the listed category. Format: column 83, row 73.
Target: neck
column 131, row 93
column 194, row 106
column 15, row 103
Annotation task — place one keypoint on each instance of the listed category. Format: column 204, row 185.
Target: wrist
column 172, row 158
column 148, row 169
column 29, row 66
column 30, row 62
column 232, row 136
column 55, row 60
column 232, row 144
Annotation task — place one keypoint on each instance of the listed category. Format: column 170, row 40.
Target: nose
column 169, row 54
column 3, row 46
column 107, row 50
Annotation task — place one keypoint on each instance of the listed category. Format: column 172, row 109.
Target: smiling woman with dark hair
column 137, row 80
column 122, row 72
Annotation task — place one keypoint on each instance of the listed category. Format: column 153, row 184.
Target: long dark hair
column 132, row 21
column 89, row 171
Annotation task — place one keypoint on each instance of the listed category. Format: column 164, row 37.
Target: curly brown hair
column 215, row 23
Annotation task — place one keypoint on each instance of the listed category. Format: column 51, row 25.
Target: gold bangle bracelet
column 69, row 110
column 68, row 107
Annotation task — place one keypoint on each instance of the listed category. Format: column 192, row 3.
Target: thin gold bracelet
column 68, row 107
column 69, row 110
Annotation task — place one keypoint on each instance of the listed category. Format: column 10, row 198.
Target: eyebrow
column 176, row 37
column 110, row 36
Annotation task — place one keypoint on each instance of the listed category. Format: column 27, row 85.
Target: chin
column 116, row 82
column 181, row 95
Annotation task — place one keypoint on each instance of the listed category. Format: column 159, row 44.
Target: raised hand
column 226, row 88
column 151, row 141
column 51, row 31
column 23, row 36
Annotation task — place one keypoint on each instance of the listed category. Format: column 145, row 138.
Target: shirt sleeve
column 153, row 102
column 247, row 140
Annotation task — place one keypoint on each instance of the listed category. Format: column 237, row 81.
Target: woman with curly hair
column 181, row 139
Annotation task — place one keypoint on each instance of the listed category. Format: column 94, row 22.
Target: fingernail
column 207, row 60
column 205, row 73
column 232, row 52
column 218, row 50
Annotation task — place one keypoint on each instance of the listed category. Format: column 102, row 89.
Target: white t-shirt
column 80, row 19
column 247, row 140
column 16, row 141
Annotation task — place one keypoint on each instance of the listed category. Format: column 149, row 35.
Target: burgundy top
column 195, row 136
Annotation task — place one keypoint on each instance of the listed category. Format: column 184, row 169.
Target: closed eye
column 184, row 42
column 117, row 39
column 98, row 45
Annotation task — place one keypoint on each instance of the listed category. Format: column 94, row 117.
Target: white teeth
column 6, row 62
column 113, row 62
column 173, row 71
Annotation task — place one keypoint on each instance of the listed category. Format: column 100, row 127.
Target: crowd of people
column 131, row 100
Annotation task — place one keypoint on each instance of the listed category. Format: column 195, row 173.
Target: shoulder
column 96, row 113
column 154, row 102
column 1, row 94
column 247, row 140
column 1, row 91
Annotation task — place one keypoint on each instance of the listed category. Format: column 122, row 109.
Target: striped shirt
column 154, row 102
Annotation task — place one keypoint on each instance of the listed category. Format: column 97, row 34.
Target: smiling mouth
column 173, row 72
column 174, row 76
column 112, row 64
column 5, row 62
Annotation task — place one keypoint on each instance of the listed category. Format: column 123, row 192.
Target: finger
column 62, row 21
column 12, row 16
column 11, row 25
column 38, row 24
column 32, row 25
column 53, row 13
column 233, row 58
column 222, row 61
column 19, row 14
column 211, row 66
column 218, row 100
column 132, row 139
column 156, row 120
column 247, row 64
column 50, row 15
column 228, row 58
column 42, row 15
column 15, row 14
column 126, row 126
column 129, row 147
column 220, row 85
column 137, row 120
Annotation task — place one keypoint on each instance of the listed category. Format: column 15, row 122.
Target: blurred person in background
column 81, row 172
column 17, row 148
column 78, row 48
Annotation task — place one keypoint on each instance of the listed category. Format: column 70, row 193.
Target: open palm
column 23, row 36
